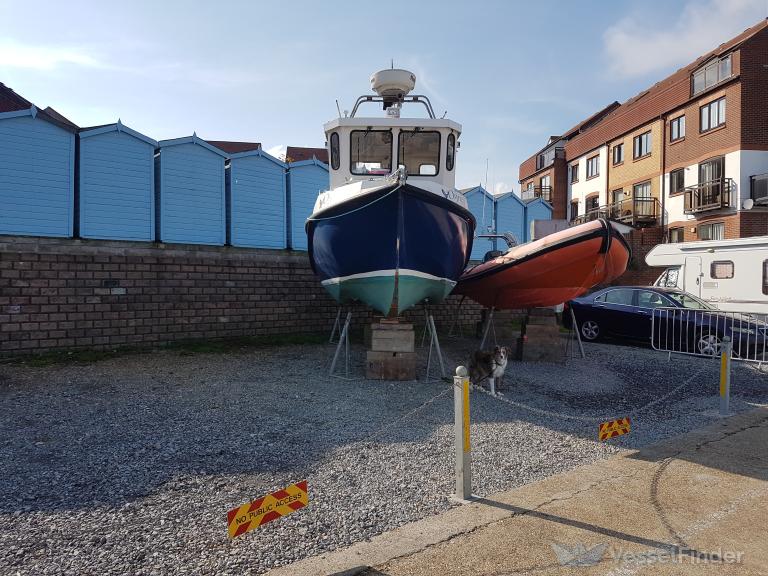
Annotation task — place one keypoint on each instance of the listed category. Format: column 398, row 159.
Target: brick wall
column 67, row 294
column 638, row 272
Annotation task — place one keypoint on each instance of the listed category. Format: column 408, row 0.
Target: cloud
column 16, row 55
column 501, row 188
column 278, row 151
column 637, row 45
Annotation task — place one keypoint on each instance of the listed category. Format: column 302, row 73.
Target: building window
column 712, row 115
column 618, row 154
column 617, row 196
column 677, row 129
column 545, row 158
column 711, row 74
column 574, row 173
column 642, row 145
column 591, row 204
column 714, row 231
column 574, row 209
column 759, row 186
column 335, row 158
column 544, row 182
column 676, row 181
column 593, row 167
column 676, row 234
column 450, row 152
column 642, row 190
column 721, row 270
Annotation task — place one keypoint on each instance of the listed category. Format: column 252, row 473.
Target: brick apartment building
column 686, row 159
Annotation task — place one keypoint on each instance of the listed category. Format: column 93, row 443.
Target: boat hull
column 549, row 271
column 391, row 248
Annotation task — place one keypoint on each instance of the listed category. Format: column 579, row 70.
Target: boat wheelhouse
column 392, row 231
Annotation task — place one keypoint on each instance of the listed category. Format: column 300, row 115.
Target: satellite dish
column 748, row 204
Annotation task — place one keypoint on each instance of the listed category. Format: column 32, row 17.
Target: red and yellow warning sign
column 613, row 428
column 267, row 508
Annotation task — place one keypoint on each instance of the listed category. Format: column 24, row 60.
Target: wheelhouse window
column 721, row 270
column 450, row 152
column 642, row 145
column 593, row 167
column 335, row 159
column 677, row 129
column 714, row 231
column 574, row 173
column 419, row 152
column 370, row 152
column 712, row 115
column 711, row 74
column 677, row 181
column 676, row 235
column 618, row 154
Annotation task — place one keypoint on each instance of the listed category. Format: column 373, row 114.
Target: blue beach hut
column 306, row 179
column 510, row 217
column 116, row 183
column 538, row 209
column 480, row 203
column 37, row 173
column 189, row 182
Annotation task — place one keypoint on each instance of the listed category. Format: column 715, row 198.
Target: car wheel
column 708, row 344
column 590, row 330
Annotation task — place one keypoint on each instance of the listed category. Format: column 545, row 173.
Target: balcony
column 759, row 189
column 544, row 192
column 710, row 195
column 635, row 212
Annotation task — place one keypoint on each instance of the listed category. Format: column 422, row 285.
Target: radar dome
column 393, row 82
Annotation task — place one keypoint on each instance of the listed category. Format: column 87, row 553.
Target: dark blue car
column 679, row 321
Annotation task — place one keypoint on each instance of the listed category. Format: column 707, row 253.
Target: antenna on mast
column 392, row 64
column 338, row 108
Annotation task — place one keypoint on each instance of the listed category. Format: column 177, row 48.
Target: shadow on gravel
column 115, row 431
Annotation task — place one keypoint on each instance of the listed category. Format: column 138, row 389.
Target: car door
column 646, row 302
column 617, row 312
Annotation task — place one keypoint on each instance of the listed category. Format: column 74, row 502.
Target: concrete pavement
column 692, row 503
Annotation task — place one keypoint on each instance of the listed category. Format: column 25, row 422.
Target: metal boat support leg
column 488, row 325
column 343, row 342
column 578, row 332
column 456, row 322
column 336, row 326
column 434, row 342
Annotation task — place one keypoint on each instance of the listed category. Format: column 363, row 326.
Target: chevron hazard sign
column 267, row 508
column 612, row 428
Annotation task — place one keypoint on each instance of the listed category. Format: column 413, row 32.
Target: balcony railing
column 759, row 189
column 631, row 211
column 710, row 195
column 544, row 192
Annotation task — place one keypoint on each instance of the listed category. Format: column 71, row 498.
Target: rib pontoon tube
column 551, row 270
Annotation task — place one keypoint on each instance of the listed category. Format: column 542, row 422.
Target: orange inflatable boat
column 549, row 271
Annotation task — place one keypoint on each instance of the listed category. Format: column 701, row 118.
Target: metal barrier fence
column 700, row 332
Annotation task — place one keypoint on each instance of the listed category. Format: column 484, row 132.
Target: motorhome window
column 370, row 152
column 668, row 278
column 335, row 159
column 419, row 152
column 450, row 153
column 721, row 270
column 765, row 276
column 621, row 296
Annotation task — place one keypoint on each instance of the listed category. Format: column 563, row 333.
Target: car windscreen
column 688, row 301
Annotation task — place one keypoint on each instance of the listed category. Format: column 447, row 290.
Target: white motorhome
column 730, row 274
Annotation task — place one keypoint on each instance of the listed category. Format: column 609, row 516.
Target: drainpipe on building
column 663, row 176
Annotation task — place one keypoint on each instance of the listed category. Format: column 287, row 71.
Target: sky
column 512, row 73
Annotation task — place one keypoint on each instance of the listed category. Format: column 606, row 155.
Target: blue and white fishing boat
column 393, row 230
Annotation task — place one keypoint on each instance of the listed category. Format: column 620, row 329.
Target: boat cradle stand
column 343, row 342
column 434, row 343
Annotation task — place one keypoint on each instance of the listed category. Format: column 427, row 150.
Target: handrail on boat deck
column 414, row 99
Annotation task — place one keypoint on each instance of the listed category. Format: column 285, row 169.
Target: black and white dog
column 488, row 364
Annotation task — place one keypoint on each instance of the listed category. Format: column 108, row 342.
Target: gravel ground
column 128, row 466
